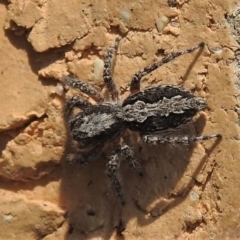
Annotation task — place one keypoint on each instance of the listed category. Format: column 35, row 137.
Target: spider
column 152, row 112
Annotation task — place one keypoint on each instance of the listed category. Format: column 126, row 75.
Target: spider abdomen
column 160, row 108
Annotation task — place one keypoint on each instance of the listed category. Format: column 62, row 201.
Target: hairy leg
column 113, row 164
column 128, row 154
column 84, row 158
column 74, row 102
column 108, row 68
column 135, row 83
column 82, row 86
column 160, row 139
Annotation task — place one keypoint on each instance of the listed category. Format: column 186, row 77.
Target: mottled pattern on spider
column 152, row 112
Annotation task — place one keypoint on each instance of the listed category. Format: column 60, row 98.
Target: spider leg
column 127, row 152
column 74, row 102
column 108, row 68
column 135, row 83
column 113, row 165
column 82, row 86
column 161, row 139
column 84, row 158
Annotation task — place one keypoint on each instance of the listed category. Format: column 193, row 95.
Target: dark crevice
column 193, row 226
column 120, row 228
column 209, row 176
column 9, row 134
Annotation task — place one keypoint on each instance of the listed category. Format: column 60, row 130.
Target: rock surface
column 187, row 192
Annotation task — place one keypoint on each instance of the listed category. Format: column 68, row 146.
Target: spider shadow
column 165, row 183
column 91, row 202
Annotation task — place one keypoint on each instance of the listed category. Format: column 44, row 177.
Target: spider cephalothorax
column 152, row 112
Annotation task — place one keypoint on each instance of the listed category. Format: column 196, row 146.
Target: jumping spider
column 152, row 112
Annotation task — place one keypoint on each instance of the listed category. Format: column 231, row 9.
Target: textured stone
column 187, row 192
column 36, row 150
column 27, row 219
